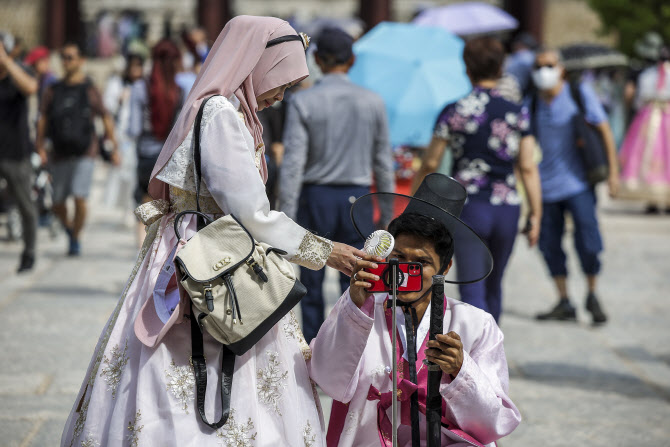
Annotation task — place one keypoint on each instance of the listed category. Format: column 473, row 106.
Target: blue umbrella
column 468, row 18
column 416, row 70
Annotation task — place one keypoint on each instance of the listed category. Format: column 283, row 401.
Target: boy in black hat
column 352, row 355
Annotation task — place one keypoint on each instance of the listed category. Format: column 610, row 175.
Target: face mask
column 546, row 78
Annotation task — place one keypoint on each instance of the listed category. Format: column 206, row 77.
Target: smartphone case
column 410, row 278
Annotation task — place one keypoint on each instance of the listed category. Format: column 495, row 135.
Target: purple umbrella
column 468, row 18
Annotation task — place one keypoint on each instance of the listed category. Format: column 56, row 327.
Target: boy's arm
column 337, row 351
column 476, row 399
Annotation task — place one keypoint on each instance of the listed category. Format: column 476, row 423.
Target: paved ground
column 574, row 384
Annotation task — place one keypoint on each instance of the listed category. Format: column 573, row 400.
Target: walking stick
column 393, row 265
column 433, row 397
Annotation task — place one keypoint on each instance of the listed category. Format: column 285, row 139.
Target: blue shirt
column 336, row 133
column 561, row 170
column 483, row 131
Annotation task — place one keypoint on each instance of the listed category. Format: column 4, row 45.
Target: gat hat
column 36, row 54
column 441, row 198
column 163, row 309
column 336, row 44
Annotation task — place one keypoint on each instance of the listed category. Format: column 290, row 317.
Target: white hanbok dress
column 133, row 395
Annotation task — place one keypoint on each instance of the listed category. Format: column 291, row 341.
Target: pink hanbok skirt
column 645, row 155
column 133, row 395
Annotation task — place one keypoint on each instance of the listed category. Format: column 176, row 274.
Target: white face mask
column 546, row 78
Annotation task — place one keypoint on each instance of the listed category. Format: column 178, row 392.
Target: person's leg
column 19, row 181
column 80, row 212
column 61, row 174
column 500, row 242
column 315, row 213
column 81, row 187
column 478, row 216
column 551, row 238
column 588, row 243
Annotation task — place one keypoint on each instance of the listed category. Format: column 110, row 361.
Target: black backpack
column 70, row 119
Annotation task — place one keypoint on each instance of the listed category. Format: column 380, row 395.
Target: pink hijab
column 238, row 64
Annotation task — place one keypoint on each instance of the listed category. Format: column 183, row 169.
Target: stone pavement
column 574, row 384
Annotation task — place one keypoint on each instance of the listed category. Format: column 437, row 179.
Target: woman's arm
column 430, row 161
column 231, row 176
column 530, row 177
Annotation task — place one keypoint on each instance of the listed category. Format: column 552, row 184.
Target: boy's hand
column 361, row 280
column 447, row 352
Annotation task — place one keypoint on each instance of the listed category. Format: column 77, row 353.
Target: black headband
column 302, row 37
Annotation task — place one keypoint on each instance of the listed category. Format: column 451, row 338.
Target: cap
column 36, row 54
column 335, row 43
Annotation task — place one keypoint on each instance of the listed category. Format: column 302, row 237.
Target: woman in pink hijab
column 139, row 389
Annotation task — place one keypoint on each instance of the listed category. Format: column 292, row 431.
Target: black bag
column 70, row 119
column 588, row 140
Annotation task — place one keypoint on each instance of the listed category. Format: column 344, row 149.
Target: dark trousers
column 588, row 241
column 497, row 225
column 325, row 210
column 19, row 176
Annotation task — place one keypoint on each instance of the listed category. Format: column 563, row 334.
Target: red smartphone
column 410, row 277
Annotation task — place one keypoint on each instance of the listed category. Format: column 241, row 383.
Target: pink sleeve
column 337, row 350
column 476, row 399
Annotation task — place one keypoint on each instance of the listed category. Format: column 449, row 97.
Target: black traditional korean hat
column 441, row 198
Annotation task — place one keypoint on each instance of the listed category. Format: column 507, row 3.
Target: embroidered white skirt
column 135, row 396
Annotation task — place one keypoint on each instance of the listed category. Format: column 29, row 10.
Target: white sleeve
column 232, row 178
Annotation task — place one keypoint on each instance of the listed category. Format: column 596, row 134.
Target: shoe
column 75, row 248
column 593, row 306
column 27, row 263
column 651, row 210
column 563, row 311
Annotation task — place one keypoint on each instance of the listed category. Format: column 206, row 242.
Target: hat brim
column 365, row 215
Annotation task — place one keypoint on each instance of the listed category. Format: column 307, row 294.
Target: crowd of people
column 289, row 157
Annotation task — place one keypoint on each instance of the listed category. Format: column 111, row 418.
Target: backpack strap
column 576, row 93
column 197, row 349
column 197, row 158
column 200, row 372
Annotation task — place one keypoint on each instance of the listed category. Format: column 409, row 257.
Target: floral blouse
column 484, row 130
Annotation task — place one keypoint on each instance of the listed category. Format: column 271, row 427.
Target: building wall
column 181, row 12
column 23, row 18
column 572, row 21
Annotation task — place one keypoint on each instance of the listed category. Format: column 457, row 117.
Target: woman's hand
column 532, row 230
column 361, row 280
column 344, row 257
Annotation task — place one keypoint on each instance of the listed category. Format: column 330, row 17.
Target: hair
column 77, row 45
column 426, row 228
column 131, row 58
column 163, row 89
column 484, row 57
